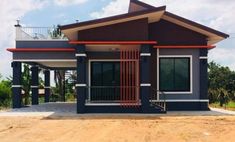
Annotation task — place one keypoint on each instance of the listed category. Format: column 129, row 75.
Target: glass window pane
column 96, row 74
column 174, row 74
column 166, row 74
column 108, row 73
column 182, row 78
column 117, row 74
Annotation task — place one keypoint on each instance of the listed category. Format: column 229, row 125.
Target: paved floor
column 69, row 109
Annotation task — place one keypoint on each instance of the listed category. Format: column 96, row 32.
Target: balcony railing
column 39, row 33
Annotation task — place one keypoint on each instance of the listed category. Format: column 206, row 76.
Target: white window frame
column 191, row 73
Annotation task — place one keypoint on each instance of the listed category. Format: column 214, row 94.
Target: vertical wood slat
column 129, row 78
column 121, row 77
column 138, row 75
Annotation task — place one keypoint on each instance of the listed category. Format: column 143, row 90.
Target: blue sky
column 214, row 13
column 53, row 14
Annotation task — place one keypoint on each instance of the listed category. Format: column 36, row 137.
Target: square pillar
column 16, row 84
column 81, row 85
column 34, row 84
column 145, row 83
column 47, row 86
column 203, row 74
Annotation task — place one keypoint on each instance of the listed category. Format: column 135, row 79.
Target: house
column 145, row 61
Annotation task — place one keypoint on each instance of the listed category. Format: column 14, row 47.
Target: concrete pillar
column 81, row 84
column 47, row 86
column 145, row 82
column 203, row 74
column 34, row 84
column 16, row 85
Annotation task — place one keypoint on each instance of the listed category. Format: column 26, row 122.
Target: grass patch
column 229, row 106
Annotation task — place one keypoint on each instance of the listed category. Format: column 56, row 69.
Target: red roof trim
column 186, row 46
column 41, row 49
column 113, row 42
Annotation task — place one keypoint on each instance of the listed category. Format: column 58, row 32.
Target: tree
column 59, row 78
column 221, row 83
column 5, row 93
column 26, row 81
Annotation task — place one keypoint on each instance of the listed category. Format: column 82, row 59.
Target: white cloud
column 113, row 8
column 68, row 2
column 223, row 56
column 10, row 10
column 213, row 13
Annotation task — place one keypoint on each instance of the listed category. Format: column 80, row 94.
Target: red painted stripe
column 113, row 42
column 186, row 46
column 41, row 49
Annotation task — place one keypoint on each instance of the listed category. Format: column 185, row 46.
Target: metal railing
column 112, row 94
column 39, row 33
column 157, row 101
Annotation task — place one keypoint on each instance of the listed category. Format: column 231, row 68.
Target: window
column 105, row 79
column 174, row 74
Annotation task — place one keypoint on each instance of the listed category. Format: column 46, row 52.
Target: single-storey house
column 145, row 61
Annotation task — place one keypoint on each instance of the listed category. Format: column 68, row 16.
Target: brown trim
column 41, row 49
column 117, row 17
column 186, row 46
column 113, row 42
column 196, row 24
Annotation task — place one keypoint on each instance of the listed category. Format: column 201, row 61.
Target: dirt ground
column 118, row 128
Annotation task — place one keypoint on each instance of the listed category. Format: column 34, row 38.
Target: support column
column 16, row 85
column 145, row 85
column 47, row 86
column 81, row 85
column 203, row 74
column 34, row 85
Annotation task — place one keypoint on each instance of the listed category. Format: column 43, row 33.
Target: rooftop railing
column 39, row 33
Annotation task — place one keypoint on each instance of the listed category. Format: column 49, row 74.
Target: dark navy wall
column 44, row 55
column 131, row 30
column 167, row 33
column 43, row 44
column 187, row 106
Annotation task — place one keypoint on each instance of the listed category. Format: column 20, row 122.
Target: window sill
column 185, row 93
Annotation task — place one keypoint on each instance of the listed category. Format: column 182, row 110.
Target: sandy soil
column 118, row 128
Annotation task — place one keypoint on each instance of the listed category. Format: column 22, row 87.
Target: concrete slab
column 60, row 109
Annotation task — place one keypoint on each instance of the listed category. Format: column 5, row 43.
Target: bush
column 5, row 94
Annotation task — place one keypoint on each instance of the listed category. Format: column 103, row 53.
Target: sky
column 218, row 14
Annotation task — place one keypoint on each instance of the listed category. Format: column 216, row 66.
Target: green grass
column 230, row 105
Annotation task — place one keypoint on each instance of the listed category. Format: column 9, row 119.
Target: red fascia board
column 41, row 49
column 113, row 42
column 186, row 46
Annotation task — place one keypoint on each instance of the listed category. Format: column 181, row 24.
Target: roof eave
column 75, row 25
column 218, row 33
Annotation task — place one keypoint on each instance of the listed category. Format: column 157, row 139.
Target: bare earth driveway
column 57, row 122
